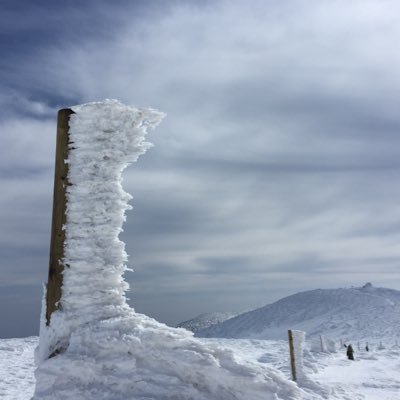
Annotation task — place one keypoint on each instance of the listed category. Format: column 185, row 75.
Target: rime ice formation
column 109, row 351
column 104, row 139
column 298, row 344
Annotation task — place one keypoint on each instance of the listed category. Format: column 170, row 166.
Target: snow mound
column 351, row 314
column 206, row 320
column 99, row 348
column 135, row 357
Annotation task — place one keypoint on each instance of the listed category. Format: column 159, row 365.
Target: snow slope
column 364, row 313
column 206, row 320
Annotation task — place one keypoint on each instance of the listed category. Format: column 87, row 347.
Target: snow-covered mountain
column 364, row 313
column 206, row 320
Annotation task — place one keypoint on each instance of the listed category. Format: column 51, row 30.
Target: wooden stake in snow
column 56, row 267
column 292, row 357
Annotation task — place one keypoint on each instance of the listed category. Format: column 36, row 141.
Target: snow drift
column 107, row 351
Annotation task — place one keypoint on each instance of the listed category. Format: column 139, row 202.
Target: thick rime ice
column 298, row 344
column 107, row 350
column 322, row 344
column 104, row 138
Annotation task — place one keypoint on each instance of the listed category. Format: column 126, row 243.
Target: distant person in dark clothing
column 350, row 352
column 366, row 347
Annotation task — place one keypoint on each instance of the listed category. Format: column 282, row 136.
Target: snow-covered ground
column 17, row 380
column 372, row 376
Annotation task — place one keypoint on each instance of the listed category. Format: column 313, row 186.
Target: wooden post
column 292, row 360
column 56, row 267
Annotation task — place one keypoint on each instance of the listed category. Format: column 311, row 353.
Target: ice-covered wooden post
column 95, row 142
column 56, row 266
column 292, row 356
column 296, row 343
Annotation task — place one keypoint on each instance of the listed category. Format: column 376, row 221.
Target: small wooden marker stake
column 292, row 359
column 56, row 267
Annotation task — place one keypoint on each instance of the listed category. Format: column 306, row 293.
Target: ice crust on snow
column 107, row 350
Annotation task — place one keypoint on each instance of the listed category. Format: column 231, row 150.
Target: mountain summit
column 365, row 312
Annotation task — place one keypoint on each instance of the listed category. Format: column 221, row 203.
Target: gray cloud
column 276, row 167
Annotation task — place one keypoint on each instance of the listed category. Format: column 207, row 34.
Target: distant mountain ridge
column 206, row 320
column 351, row 314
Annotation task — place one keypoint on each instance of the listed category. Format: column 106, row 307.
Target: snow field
column 17, row 380
column 371, row 376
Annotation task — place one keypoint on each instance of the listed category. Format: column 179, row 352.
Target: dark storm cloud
column 274, row 171
column 31, row 31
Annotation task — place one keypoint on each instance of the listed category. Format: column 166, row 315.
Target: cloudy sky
column 276, row 169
